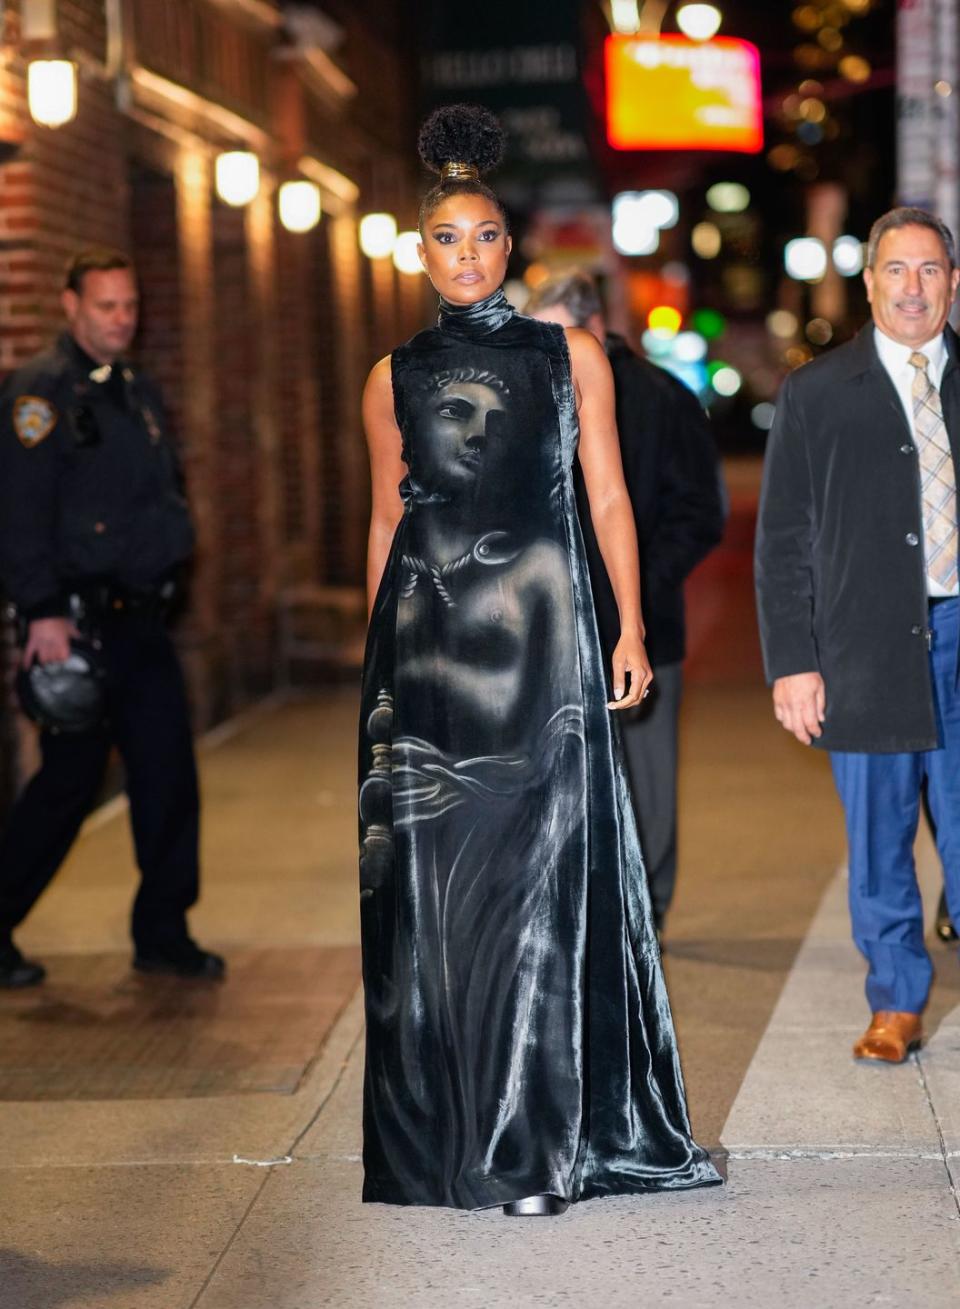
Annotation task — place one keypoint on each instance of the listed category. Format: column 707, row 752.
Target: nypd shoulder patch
column 34, row 418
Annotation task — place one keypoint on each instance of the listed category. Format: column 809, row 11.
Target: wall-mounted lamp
column 405, row 256
column 52, row 91
column 237, row 177
column 299, row 205
column 378, row 235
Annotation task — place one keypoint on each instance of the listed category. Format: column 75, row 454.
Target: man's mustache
column 912, row 302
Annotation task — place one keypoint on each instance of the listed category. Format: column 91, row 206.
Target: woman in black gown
column 520, row 1048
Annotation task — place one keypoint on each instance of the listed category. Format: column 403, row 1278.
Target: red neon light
column 670, row 93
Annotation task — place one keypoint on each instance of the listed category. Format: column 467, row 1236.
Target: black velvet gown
column 519, row 1037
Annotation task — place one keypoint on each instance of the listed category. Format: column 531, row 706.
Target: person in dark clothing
column 94, row 528
column 673, row 479
column 859, row 601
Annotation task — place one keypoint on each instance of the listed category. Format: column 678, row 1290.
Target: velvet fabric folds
column 519, row 1037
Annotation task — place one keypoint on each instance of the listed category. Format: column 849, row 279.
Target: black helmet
column 66, row 696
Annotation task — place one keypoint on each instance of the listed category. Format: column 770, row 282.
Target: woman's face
column 465, row 248
column 455, row 432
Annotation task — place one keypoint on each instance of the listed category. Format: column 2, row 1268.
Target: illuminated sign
column 668, row 93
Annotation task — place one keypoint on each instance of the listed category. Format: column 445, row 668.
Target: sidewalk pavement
column 198, row 1147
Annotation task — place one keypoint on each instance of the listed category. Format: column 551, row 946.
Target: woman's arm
column 386, row 472
column 610, row 509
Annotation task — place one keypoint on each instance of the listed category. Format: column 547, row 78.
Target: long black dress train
column 519, row 1037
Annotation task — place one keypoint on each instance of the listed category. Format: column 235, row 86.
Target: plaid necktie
column 937, row 478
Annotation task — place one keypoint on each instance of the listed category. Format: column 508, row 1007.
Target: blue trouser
column 881, row 799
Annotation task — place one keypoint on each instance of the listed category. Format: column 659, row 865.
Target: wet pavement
column 197, row 1147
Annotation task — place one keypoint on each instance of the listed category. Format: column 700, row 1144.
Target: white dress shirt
column 896, row 360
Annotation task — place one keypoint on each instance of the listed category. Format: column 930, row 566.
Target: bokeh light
column 405, row 256
column 728, row 197
column 699, row 22
column 819, row 331
column 782, row 323
column 665, row 320
column 237, row 177
column 848, row 256
column 855, row 68
column 706, row 240
column 298, row 203
column 378, row 235
column 763, row 414
column 805, row 259
column 725, row 379
column 710, row 323
column 689, row 347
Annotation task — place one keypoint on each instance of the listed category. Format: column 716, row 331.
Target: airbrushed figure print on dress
column 486, row 810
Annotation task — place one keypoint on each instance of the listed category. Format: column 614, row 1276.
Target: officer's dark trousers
column 149, row 724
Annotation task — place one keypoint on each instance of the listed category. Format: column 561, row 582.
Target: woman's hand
column 630, row 657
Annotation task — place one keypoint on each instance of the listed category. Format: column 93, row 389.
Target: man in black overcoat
column 670, row 466
column 94, row 528
column 856, row 570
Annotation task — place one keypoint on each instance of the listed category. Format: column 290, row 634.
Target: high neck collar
column 477, row 319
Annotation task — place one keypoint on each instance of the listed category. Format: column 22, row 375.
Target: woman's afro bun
column 466, row 134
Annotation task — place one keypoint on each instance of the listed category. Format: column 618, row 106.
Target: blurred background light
column 299, row 206
column 378, row 235
column 237, row 177
column 633, row 237
column 782, row 323
column 848, row 255
column 699, row 22
column 710, row 323
column 665, row 320
column 706, row 240
column 819, row 331
column 657, row 344
column 762, row 415
column 855, row 68
column 625, row 16
column 728, row 197
column 405, row 256
column 689, row 347
column 724, row 379
column 805, row 259
column 650, row 208
column 52, row 91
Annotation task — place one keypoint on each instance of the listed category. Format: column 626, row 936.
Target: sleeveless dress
column 519, row 1037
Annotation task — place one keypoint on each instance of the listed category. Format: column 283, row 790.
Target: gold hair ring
column 454, row 172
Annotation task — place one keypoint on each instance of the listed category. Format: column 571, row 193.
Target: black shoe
column 945, row 928
column 183, row 959
column 17, row 972
column 536, row 1206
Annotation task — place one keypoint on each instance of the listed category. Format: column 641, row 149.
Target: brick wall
column 260, row 338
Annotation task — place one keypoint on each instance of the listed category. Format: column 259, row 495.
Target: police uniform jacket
column 90, row 488
column 670, row 467
column 840, row 574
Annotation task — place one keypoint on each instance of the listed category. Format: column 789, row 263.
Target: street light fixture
column 405, row 256
column 378, row 235
column 52, row 91
column 299, row 205
column 237, row 174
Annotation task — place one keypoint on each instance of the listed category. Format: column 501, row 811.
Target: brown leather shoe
column 890, row 1037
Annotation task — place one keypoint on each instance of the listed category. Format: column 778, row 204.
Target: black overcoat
column 670, row 467
column 841, row 586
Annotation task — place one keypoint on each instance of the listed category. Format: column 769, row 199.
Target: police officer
column 94, row 528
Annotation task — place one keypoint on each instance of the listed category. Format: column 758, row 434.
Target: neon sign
column 668, row 93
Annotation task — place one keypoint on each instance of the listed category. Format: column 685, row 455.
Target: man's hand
column 48, row 640
column 800, row 704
